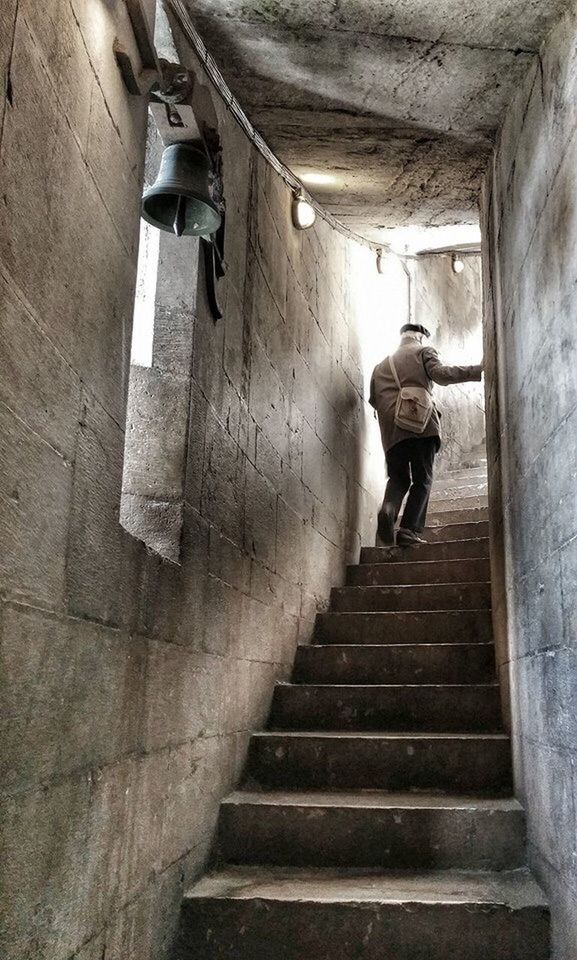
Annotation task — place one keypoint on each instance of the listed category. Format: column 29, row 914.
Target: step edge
column 432, row 543
column 387, row 613
column 378, row 646
column 460, row 523
column 240, row 798
column 289, row 685
column 524, row 892
column 416, row 563
column 412, row 586
column 379, row 735
column 442, row 583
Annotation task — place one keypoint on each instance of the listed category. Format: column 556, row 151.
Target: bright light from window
column 145, row 295
column 414, row 239
column 378, row 306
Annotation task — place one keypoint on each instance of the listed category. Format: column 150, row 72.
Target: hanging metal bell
column 179, row 201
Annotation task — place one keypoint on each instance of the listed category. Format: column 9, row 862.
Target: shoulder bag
column 414, row 405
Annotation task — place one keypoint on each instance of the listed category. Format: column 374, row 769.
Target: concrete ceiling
column 398, row 101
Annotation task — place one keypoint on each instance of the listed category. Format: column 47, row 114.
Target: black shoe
column 382, row 545
column 385, row 530
column 408, row 538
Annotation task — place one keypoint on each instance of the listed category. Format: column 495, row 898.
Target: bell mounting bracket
column 158, row 79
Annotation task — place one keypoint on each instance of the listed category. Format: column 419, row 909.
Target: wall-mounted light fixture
column 458, row 264
column 380, row 264
column 303, row 213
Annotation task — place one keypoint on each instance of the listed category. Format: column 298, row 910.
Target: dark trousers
column 410, row 465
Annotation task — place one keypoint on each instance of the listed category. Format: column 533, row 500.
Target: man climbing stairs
column 377, row 819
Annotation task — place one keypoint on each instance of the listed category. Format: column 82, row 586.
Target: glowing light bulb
column 458, row 264
column 303, row 213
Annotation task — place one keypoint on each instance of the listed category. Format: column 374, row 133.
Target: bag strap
column 394, row 372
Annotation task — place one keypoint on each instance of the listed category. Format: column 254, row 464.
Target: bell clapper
column 180, row 216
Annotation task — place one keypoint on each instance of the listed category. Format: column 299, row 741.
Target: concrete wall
column 530, row 227
column 450, row 306
column 129, row 684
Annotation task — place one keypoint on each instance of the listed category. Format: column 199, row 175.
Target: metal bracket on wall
column 163, row 81
column 170, row 83
column 138, row 83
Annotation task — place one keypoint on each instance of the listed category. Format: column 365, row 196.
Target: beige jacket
column 417, row 366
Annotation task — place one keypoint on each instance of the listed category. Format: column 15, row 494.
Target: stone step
column 455, row 491
column 473, row 515
column 442, row 550
column 456, row 763
column 399, row 663
column 458, row 478
column 466, row 473
column 441, row 626
column 469, row 708
column 419, row 572
column 439, row 596
column 453, row 530
column 449, row 484
column 372, row 829
column 450, row 504
column 292, row 913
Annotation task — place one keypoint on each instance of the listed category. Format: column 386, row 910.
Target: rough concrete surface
column 449, row 626
column 461, row 763
column 531, row 348
column 130, row 685
column 435, row 571
column 514, row 888
column 421, row 706
column 283, row 912
column 399, row 103
column 396, row 663
column 372, row 830
column 362, row 835
column 449, row 550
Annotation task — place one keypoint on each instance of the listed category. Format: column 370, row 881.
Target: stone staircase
column 376, row 820
column 459, row 496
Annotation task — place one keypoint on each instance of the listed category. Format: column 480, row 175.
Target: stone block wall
column 450, row 306
column 530, row 228
column 130, row 685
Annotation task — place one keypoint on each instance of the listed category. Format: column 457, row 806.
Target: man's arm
column 439, row 373
column 372, row 400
